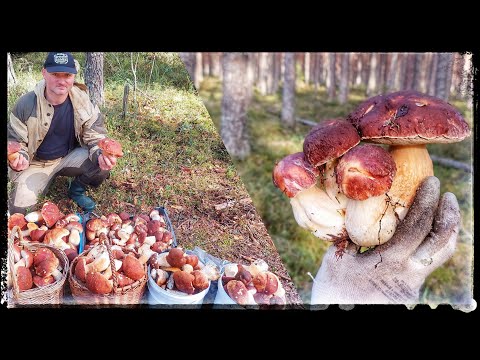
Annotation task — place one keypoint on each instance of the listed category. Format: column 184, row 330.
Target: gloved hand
column 393, row 273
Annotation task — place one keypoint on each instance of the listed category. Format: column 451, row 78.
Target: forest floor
column 301, row 252
column 175, row 158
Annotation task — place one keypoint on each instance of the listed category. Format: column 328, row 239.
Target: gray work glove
column 393, row 273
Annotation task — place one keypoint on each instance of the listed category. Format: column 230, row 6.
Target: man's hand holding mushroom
column 16, row 161
column 394, row 272
column 111, row 150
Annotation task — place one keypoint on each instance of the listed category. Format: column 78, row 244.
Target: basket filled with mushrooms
column 37, row 271
column 108, row 274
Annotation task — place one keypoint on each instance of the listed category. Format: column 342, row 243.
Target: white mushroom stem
column 145, row 253
column 413, row 166
column 57, row 274
column 370, row 222
column 99, row 264
column 316, row 212
column 74, row 237
column 331, row 187
column 34, row 216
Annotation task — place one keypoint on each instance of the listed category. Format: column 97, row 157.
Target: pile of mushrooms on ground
column 366, row 190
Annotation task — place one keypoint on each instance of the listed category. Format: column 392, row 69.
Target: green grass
column 301, row 251
column 173, row 157
column 168, row 138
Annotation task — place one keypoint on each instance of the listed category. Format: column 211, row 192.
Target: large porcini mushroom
column 312, row 208
column 365, row 174
column 49, row 213
column 407, row 121
column 110, row 147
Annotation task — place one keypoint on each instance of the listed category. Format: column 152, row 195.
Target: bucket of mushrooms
column 179, row 277
column 251, row 285
column 37, row 271
column 108, row 274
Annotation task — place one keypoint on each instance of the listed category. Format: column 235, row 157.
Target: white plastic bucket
column 222, row 299
column 158, row 295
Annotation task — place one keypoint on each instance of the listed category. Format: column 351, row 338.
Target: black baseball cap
column 60, row 62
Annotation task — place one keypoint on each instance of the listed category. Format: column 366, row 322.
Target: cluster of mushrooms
column 253, row 284
column 146, row 234
column 93, row 267
column 50, row 226
column 176, row 270
column 340, row 190
column 34, row 268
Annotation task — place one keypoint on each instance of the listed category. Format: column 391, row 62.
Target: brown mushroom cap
column 329, row 140
column 99, row 284
column 111, row 147
column 365, row 171
column 16, row 219
column 293, row 174
column 201, row 281
column 408, row 117
column 175, row 258
column 13, row 147
column 50, row 213
column 238, row 292
column 24, row 278
column 43, row 281
column 184, row 281
column 132, row 267
column 52, row 235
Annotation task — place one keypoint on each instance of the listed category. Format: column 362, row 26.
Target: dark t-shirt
column 60, row 138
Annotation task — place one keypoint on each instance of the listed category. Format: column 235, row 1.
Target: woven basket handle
column 11, row 259
column 103, row 239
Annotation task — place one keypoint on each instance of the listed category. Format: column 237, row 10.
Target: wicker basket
column 46, row 295
column 127, row 295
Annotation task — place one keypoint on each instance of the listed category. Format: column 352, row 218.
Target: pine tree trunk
column 94, row 77
column 288, row 98
column 467, row 75
column 417, row 71
column 198, row 70
column 392, row 71
column 11, row 78
column 215, row 66
column 189, row 60
column 344, row 77
column 277, row 59
column 331, row 77
column 307, row 68
column 443, row 75
column 372, row 84
column 457, row 70
column 432, row 73
column 206, row 63
column 263, row 73
column 236, row 84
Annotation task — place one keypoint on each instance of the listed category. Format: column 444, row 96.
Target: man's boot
column 76, row 192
